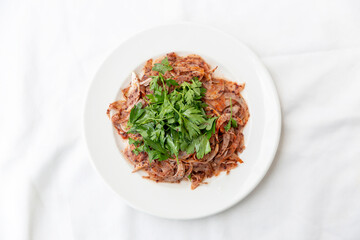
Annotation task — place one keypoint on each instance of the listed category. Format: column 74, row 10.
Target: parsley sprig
column 162, row 67
column 232, row 122
column 172, row 122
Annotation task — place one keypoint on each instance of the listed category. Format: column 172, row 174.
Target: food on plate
column 181, row 121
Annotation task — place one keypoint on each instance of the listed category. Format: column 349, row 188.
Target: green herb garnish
column 232, row 121
column 162, row 67
column 172, row 122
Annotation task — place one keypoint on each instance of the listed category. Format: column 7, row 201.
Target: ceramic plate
column 236, row 62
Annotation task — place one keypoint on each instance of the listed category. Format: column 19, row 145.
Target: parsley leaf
column 162, row 67
column 156, row 146
column 189, row 96
column 135, row 142
column 232, row 122
column 192, row 128
column 228, row 126
column 156, row 155
column 135, row 113
column 210, row 126
column 194, row 115
column 174, row 149
column 139, row 149
column 131, row 141
column 202, row 146
column 190, row 148
column 170, row 82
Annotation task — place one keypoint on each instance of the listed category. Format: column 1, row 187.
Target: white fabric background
column 49, row 52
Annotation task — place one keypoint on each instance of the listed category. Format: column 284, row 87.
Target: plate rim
column 266, row 77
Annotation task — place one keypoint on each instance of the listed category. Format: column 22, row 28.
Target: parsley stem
column 154, row 119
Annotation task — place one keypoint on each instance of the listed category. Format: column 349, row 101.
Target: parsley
column 162, row 67
column 210, row 126
column 202, row 146
column 172, row 122
column 232, row 121
column 135, row 113
column 170, row 82
column 134, row 142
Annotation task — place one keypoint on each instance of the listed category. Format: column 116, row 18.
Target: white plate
column 237, row 63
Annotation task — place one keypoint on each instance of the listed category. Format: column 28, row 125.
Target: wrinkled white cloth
column 49, row 53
